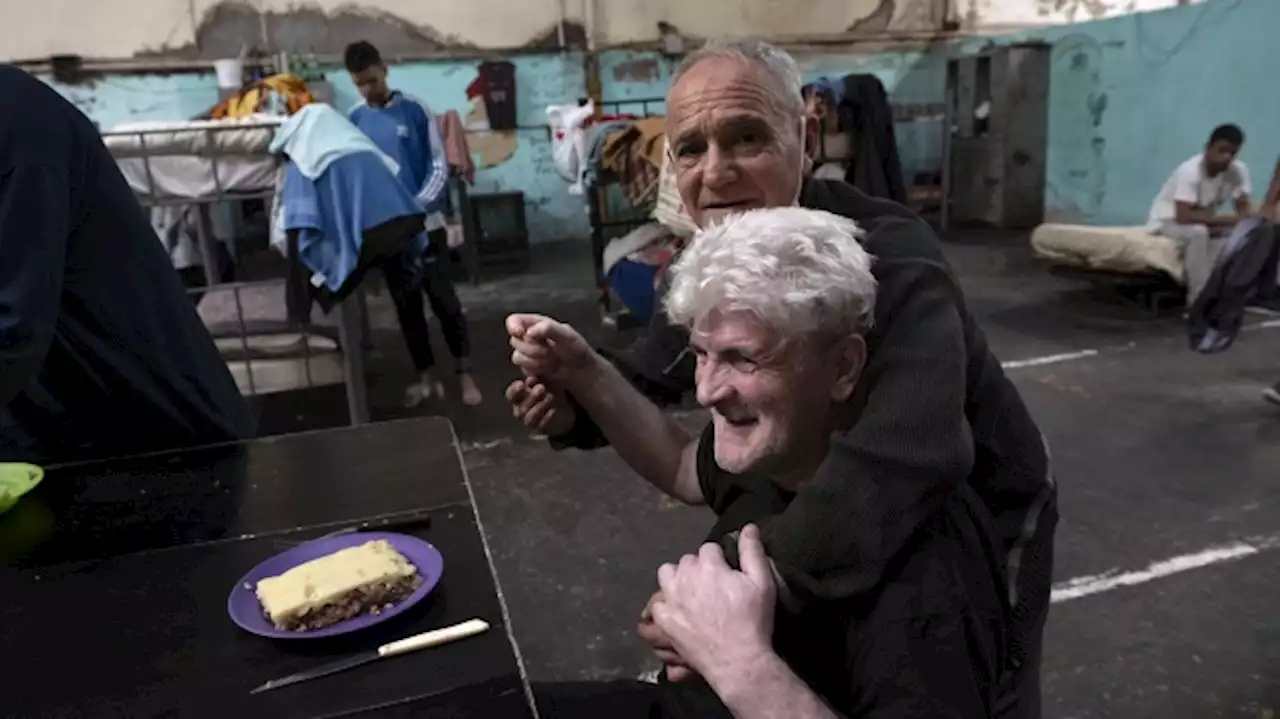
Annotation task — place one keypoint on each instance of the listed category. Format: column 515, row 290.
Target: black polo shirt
column 929, row 641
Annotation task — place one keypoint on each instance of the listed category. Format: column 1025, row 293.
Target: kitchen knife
column 433, row 638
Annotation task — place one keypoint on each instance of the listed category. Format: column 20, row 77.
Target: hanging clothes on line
column 456, row 148
column 866, row 116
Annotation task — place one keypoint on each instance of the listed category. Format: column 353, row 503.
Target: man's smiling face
column 770, row 404
column 734, row 144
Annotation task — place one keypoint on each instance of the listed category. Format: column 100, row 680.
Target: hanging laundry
column 342, row 198
column 567, row 124
column 317, row 135
column 866, row 116
column 349, row 219
column 456, row 149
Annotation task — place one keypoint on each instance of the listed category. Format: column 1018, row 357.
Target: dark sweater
column 101, row 350
column 935, row 411
column 928, row 641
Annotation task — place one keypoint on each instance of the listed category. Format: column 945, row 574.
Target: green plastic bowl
column 16, row 479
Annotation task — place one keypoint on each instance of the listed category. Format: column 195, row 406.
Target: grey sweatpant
column 1200, row 251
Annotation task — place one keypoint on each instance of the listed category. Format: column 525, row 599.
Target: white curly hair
column 800, row 273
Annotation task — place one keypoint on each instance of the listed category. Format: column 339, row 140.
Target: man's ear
column 850, row 357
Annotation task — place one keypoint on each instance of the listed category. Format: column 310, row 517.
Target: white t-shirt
column 1189, row 183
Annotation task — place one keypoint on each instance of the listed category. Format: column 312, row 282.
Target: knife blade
column 433, row 638
column 410, row 524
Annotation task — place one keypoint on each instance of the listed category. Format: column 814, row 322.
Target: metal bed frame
column 352, row 319
column 602, row 217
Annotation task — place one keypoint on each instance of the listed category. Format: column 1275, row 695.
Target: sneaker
column 1272, row 394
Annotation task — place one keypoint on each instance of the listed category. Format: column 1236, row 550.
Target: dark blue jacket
column 101, row 350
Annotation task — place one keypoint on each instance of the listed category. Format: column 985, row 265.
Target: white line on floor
column 1114, row 579
column 1048, row 359
column 1267, row 325
column 1085, row 354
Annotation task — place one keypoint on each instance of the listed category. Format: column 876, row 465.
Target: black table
column 114, row 581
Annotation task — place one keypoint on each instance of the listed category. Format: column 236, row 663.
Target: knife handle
column 434, row 638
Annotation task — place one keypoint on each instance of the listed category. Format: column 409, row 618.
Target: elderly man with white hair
column 935, row 413
column 778, row 303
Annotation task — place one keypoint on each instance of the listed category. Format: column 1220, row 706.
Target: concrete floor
column 1161, row 454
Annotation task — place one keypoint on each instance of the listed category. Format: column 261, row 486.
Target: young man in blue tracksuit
column 405, row 129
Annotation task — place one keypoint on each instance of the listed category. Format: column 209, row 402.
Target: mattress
column 190, row 176
column 230, row 136
column 196, row 158
column 1123, row 250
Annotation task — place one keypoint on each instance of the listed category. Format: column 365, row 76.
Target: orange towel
column 254, row 97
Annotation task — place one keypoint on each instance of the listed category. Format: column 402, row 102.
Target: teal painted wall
column 1130, row 98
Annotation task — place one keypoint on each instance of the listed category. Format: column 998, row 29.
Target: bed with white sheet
column 1111, row 250
column 196, row 159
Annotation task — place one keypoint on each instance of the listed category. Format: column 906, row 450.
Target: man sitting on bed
column 1187, row 208
column 102, row 353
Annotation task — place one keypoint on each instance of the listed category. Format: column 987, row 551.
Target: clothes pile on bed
column 632, row 154
column 636, row 263
column 635, row 153
column 281, row 94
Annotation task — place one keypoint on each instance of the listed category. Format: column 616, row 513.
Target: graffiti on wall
column 1077, row 178
column 489, row 147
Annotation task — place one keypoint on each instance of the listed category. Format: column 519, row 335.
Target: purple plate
column 246, row 611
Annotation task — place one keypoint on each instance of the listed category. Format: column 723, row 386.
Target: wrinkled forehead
column 719, row 91
column 721, row 330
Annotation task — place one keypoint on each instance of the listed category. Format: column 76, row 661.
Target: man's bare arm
column 649, row 441
column 1244, row 206
column 1272, row 197
column 768, row 689
column 1186, row 213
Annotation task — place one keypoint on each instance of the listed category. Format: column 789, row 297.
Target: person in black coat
column 102, row 353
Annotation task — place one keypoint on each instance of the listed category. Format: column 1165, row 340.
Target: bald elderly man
column 935, row 412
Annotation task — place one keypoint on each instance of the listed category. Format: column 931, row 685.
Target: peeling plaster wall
column 217, row 28
column 1004, row 13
